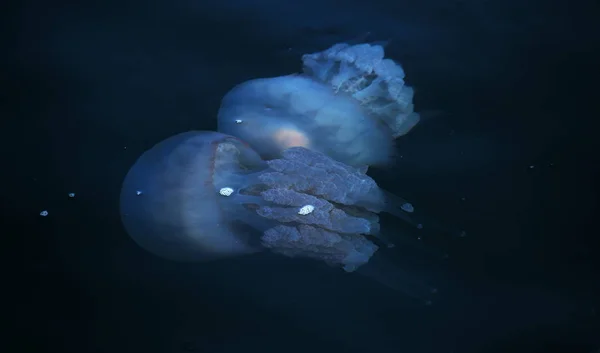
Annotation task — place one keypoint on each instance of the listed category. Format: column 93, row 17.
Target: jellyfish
column 201, row 196
column 350, row 103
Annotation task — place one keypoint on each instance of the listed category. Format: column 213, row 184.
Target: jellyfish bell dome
column 170, row 203
column 273, row 114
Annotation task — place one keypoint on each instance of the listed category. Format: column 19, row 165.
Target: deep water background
column 507, row 153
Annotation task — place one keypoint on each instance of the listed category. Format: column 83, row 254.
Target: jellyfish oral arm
column 362, row 72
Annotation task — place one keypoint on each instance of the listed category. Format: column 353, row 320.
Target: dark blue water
column 508, row 155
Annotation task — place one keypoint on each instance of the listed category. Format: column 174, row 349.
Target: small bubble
column 44, row 213
column 138, row 192
column 71, row 194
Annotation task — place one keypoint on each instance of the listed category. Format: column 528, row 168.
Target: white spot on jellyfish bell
column 44, row 213
column 238, row 121
column 304, row 210
column 226, row 191
column 407, row 207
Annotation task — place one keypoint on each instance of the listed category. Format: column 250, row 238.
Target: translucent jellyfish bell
column 349, row 104
column 170, row 203
column 203, row 195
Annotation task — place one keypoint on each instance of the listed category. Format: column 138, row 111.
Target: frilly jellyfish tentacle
column 350, row 251
column 362, row 72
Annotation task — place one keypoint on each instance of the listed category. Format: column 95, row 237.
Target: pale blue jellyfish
column 201, row 195
column 350, row 103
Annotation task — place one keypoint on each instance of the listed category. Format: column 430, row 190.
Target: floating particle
column 407, row 207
